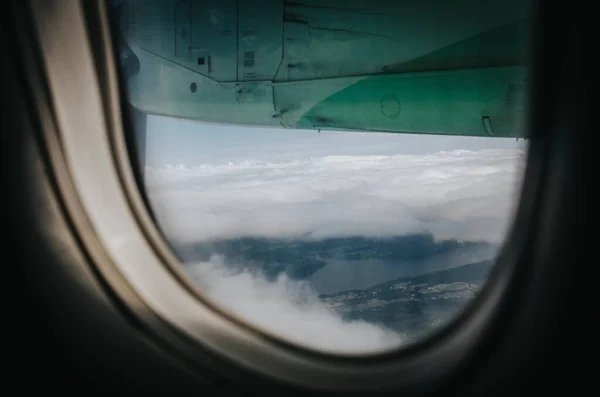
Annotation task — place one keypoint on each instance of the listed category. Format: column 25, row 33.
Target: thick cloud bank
column 288, row 308
column 459, row 194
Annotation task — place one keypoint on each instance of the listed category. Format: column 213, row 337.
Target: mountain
column 471, row 273
column 415, row 305
column 300, row 259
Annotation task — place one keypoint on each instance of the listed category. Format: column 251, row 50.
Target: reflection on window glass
column 340, row 173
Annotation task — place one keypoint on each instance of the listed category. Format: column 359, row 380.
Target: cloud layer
column 458, row 194
column 455, row 194
column 288, row 308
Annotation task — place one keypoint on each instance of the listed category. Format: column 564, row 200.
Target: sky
column 176, row 141
column 210, row 182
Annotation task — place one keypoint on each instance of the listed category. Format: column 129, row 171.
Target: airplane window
column 352, row 193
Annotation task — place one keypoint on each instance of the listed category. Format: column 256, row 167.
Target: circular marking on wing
column 390, row 106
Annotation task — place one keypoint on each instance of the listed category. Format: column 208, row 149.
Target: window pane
column 352, row 190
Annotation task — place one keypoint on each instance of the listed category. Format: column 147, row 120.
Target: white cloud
column 289, row 308
column 458, row 194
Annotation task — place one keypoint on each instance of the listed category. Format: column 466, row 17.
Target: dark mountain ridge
column 301, row 258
